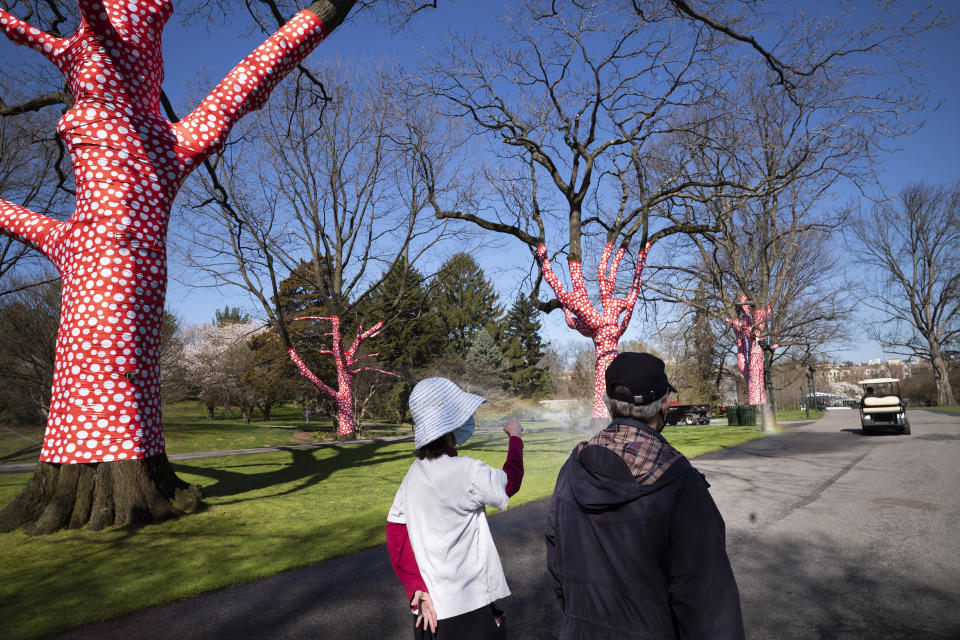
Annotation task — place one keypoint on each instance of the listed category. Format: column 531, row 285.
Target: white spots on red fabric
column 604, row 327
column 128, row 163
column 346, row 361
column 749, row 329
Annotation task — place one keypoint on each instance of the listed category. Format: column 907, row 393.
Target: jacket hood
column 602, row 479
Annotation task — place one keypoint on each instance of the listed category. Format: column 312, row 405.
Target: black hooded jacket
column 639, row 556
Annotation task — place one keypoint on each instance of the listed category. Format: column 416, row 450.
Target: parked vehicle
column 882, row 407
column 688, row 413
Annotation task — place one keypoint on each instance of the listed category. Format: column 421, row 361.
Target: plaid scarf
column 647, row 455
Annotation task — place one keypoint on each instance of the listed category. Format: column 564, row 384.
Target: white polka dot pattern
column 346, row 363
column 129, row 162
column 604, row 328
column 749, row 329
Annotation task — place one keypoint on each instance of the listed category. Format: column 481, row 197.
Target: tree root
column 99, row 495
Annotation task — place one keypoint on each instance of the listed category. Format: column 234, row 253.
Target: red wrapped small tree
column 346, row 361
column 103, row 459
column 605, row 326
column 750, row 329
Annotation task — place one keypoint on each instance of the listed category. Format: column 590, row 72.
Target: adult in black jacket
column 635, row 543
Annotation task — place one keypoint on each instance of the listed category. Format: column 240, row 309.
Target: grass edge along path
column 266, row 513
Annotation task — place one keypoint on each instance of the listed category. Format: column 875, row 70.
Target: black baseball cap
column 643, row 373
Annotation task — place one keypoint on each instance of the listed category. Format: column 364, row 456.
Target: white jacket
column 442, row 503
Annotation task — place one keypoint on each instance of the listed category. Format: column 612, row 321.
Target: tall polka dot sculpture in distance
column 606, row 326
column 129, row 162
column 346, row 361
column 750, row 328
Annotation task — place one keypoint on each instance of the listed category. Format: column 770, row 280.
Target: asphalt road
column 831, row 535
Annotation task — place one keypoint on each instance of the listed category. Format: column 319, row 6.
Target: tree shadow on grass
column 28, row 453
column 304, row 470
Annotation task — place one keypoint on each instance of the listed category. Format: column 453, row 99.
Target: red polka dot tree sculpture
column 103, row 461
column 750, row 329
column 346, row 361
column 603, row 327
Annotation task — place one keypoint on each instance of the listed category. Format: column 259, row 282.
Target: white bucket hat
column 439, row 406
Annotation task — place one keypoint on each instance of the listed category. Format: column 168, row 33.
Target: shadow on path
column 790, row 589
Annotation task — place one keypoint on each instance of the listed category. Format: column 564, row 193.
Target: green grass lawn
column 186, row 429
column 788, row 415
column 265, row 514
column 947, row 409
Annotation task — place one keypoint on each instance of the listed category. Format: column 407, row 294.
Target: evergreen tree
column 464, row 302
column 229, row 315
column 523, row 350
column 702, row 350
column 306, row 291
column 411, row 337
column 485, row 363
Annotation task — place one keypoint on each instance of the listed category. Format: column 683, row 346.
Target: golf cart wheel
column 867, row 431
column 906, row 428
column 688, row 419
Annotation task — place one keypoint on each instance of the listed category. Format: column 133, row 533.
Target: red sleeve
column 514, row 465
column 403, row 561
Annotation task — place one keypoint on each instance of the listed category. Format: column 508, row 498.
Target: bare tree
column 910, row 258
column 28, row 332
column 103, row 461
column 340, row 206
column 585, row 102
column 28, row 173
column 772, row 248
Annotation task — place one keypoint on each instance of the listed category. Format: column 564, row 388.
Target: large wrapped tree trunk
column 100, row 494
column 103, row 458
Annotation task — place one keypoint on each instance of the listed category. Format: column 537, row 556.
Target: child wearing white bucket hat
column 437, row 533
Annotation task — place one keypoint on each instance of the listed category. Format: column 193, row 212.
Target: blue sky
column 191, row 52
column 932, row 154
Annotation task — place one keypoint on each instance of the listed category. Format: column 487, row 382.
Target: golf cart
column 882, row 407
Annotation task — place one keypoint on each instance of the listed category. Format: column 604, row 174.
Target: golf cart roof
column 878, row 380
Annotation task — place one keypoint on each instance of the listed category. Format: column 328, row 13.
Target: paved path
column 831, row 534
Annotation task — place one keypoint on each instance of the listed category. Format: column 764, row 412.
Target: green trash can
column 733, row 415
column 748, row 414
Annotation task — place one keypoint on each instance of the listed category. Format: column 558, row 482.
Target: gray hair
column 642, row 412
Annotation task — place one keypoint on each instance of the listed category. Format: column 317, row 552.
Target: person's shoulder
column 462, row 463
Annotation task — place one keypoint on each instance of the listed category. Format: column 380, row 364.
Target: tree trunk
column 266, row 408
column 941, row 375
column 247, row 413
column 344, row 398
column 606, row 349
column 100, row 494
column 210, row 410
